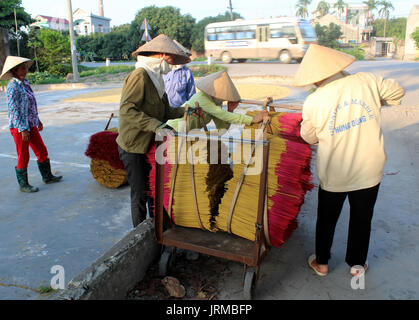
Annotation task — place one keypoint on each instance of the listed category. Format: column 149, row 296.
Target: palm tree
column 384, row 11
column 372, row 5
column 302, row 10
column 340, row 5
column 323, row 8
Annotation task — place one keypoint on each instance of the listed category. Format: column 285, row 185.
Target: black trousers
column 330, row 205
column 138, row 169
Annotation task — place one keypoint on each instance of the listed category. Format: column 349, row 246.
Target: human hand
column 40, row 126
column 261, row 116
column 26, row 135
column 163, row 130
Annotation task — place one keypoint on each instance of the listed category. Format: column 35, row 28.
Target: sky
column 124, row 11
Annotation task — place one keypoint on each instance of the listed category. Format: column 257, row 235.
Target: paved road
column 74, row 222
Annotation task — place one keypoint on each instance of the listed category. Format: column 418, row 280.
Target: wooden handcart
column 218, row 244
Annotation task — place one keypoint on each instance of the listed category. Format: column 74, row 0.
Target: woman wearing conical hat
column 214, row 90
column 342, row 117
column 144, row 107
column 24, row 123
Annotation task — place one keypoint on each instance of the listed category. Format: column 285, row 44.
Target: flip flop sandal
column 357, row 269
column 310, row 261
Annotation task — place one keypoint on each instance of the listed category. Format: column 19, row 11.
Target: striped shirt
column 23, row 110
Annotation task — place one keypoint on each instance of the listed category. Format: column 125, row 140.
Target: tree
column 384, row 11
column 415, row 36
column 167, row 20
column 53, row 51
column 396, row 28
column 328, row 35
column 323, row 8
column 198, row 33
column 371, row 6
column 302, row 8
column 7, row 15
column 340, row 5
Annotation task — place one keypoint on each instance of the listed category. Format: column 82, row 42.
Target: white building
column 86, row 23
column 410, row 50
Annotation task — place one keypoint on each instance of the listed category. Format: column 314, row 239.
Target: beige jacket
column 343, row 118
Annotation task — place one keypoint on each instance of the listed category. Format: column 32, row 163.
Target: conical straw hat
column 320, row 63
column 10, row 63
column 219, row 86
column 182, row 48
column 163, row 44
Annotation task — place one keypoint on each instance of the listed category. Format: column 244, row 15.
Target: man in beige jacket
column 343, row 118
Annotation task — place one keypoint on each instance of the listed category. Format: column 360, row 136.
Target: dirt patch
column 199, row 277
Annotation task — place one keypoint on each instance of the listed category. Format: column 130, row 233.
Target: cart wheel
column 249, row 284
column 165, row 262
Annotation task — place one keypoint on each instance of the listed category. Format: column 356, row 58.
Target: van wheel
column 226, row 57
column 284, row 56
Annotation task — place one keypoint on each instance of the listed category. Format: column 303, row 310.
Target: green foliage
column 167, row 20
column 43, row 289
column 356, row 51
column 302, row 8
column 43, row 78
column 328, row 35
column 323, row 8
column 108, row 70
column 198, row 33
column 340, row 5
column 203, row 70
column 415, row 36
column 395, row 28
column 53, row 51
column 7, row 15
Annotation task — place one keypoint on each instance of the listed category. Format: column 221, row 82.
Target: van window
column 282, row 32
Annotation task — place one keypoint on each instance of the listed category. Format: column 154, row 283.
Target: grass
column 44, row 290
column 106, row 70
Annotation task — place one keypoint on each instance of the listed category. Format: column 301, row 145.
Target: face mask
column 164, row 67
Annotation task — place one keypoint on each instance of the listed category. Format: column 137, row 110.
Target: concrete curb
column 116, row 272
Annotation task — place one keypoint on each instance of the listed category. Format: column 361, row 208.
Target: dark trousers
column 330, row 205
column 138, row 169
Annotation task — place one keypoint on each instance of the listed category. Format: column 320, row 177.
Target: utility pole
column 76, row 76
column 17, row 36
column 231, row 10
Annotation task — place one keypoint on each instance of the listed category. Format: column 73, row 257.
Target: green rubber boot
column 22, row 179
column 47, row 176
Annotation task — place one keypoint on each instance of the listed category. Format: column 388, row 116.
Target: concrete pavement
column 74, row 222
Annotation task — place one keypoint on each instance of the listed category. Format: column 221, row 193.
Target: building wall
column 91, row 24
column 350, row 33
column 412, row 23
column 55, row 24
